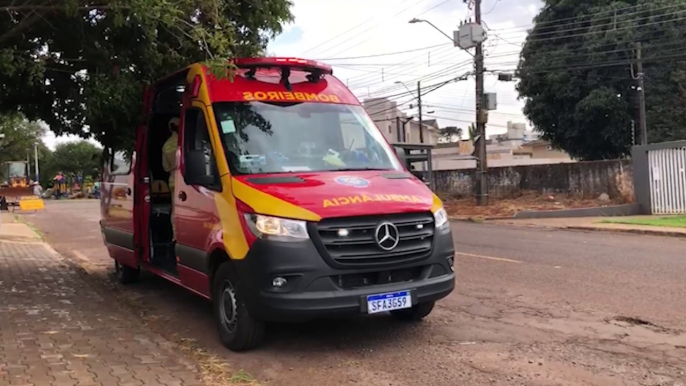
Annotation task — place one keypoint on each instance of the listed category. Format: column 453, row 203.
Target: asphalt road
column 533, row 306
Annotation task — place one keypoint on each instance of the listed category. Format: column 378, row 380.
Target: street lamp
column 415, row 20
column 475, row 36
column 404, row 85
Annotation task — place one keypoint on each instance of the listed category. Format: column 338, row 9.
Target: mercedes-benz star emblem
column 387, row 236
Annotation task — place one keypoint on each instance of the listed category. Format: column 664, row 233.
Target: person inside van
column 169, row 162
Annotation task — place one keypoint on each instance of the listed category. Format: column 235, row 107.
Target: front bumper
column 315, row 289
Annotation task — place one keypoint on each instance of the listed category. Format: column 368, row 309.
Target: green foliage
column 81, row 68
column 576, row 74
column 79, row 158
column 472, row 131
column 451, row 130
column 20, row 137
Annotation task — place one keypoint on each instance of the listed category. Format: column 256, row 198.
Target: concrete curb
column 600, row 211
column 632, row 231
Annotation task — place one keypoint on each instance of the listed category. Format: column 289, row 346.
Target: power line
column 577, row 19
column 603, row 31
column 433, row 88
column 495, row 4
column 591, row 66
column 383, row 99
column 369, row 29
column 585, row 62
column 444, row 52
column 367, row 85
column 575, row 52
column 343, row 34
column 611, row 23
column 435, row 75
column 387, row 54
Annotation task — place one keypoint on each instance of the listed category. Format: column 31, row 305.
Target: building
column 397, row 126
column 516, row 147
column 541, row 149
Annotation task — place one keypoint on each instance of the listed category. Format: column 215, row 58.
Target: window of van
column 262, row 137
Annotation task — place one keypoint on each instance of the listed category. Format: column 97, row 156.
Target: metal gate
column 667, row 168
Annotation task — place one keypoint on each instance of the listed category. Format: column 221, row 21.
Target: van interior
column 166, row 106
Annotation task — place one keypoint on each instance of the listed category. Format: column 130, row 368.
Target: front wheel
column 238, row 330
column 416, row 313
column 125, row 273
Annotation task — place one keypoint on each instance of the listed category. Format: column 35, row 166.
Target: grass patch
column 213, row 370
column 22, row 220
column 670, row 221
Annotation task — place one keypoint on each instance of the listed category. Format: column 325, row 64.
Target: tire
column 414, row 314
column 126, row 274
column 238, row 330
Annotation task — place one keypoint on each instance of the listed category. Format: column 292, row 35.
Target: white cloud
column 355, row 28
column 51, row 140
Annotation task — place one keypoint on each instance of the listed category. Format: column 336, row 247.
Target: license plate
column 388, row 302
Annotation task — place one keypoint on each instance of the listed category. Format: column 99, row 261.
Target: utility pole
column 397, row 129
column 35, row 154
column 419, row 106
column 482, row 170
column 641, row 97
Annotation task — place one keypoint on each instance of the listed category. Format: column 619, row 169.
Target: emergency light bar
column 315, row 68
column 293, row 63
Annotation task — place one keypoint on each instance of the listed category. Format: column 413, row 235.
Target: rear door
column 117, row 206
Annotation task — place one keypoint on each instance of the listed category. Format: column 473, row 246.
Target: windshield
column 17, row 169
column 264, row 137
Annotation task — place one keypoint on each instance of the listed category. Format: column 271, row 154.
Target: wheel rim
column 228, row 307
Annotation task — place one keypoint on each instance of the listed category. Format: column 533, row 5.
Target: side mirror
column 197, row 170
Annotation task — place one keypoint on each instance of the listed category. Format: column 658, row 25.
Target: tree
column 81, row 67
column 76, row 159
column 450, row 131
column 472, row 132
column 20, row 136
column 576, row 77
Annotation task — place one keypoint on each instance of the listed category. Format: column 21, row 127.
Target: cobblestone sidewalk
column 55, row 330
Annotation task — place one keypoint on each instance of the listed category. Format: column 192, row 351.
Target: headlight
column 274, row 228
column 440, row 218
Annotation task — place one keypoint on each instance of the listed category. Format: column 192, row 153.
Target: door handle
column 128, row 191
column 182, row 196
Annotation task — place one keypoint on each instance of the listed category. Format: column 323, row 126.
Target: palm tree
column 472, row 131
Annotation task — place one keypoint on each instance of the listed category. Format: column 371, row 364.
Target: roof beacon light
column 293, row 63
column 315, row 69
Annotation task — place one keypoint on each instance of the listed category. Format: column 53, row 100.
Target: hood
column 337, row 194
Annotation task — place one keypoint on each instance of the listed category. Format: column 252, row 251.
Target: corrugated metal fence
column 667, row 168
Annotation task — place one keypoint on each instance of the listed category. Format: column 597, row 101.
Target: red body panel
column 323, row 195
column 196, row 281
column 301, row 89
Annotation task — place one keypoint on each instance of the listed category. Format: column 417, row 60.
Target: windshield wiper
column 357, row 169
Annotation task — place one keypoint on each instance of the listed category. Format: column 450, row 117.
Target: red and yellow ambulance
column 287, row 202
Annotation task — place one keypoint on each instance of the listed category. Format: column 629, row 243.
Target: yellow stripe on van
column 232, row 232
column 267, row 204
column 437, row 204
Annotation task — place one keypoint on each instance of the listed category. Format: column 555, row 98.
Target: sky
column 51, row 140
column 357, row 28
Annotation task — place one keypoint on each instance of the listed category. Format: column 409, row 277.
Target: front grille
column 360, row 249
column 359, row 280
